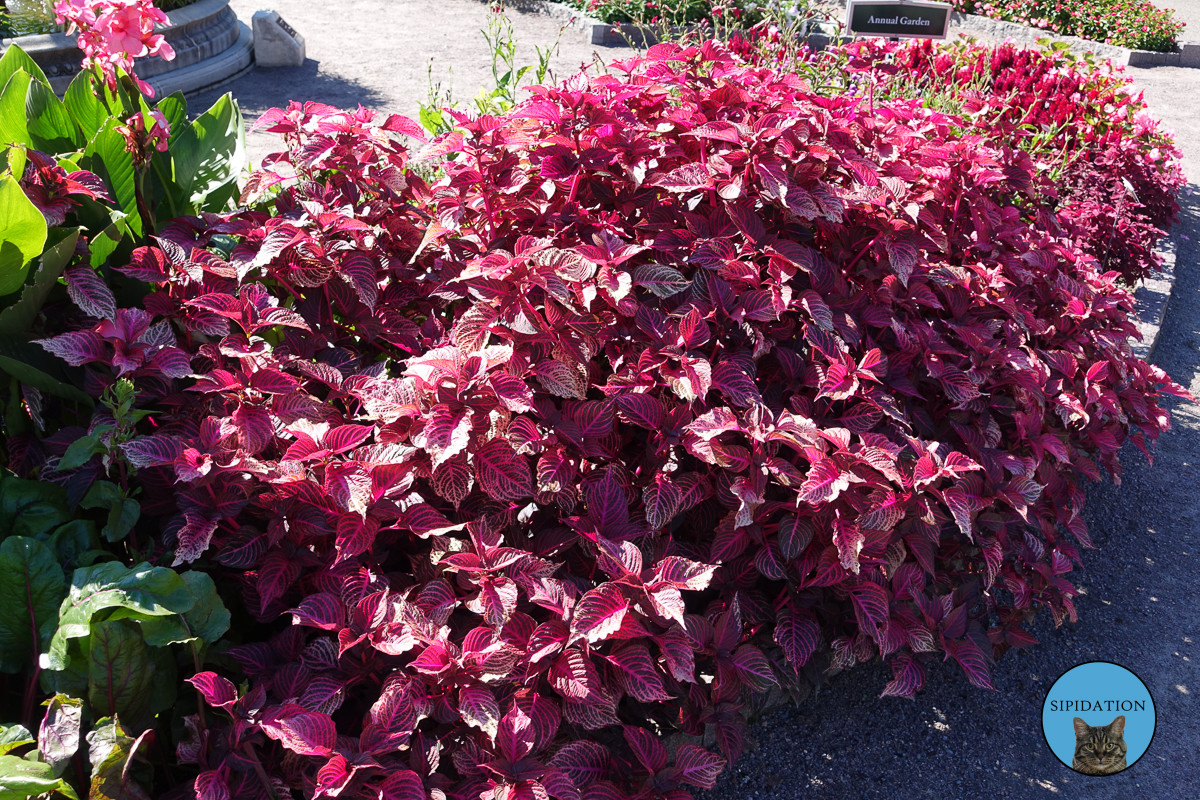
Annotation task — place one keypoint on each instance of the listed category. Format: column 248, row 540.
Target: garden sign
column 898, row 18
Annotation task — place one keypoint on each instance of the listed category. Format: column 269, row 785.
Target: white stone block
column 276, row 44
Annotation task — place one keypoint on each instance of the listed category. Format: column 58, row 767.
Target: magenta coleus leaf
column 502, row 473
column 599, row 613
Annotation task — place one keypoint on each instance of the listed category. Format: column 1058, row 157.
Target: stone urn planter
column 211, row 46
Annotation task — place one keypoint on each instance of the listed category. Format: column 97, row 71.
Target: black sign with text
column 910, row 20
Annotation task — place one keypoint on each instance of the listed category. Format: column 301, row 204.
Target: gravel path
column 1138, row 605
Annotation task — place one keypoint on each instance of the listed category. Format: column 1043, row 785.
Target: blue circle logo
column 1098, row 718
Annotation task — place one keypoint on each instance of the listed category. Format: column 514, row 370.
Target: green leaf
column 17, row 59
column 31, row 508
column 20, row 779
column 80, row 452
column 109, row 749
column 58, row 737
column 154, row 591
column 111, row 161
column 72, row 680
column 123, row 513
column 32, row 587
column 21, row 315
column 210, row 152
column 14, row 736
column 207, row 620
column 72, row 540
column 51, row 128
column 88, row 111
column 103, row 244
column 22, row 234
column 120, row 673
column 164, row 693
column 174, row 108
column 13, row 129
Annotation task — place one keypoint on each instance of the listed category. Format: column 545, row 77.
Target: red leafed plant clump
column 670, row 388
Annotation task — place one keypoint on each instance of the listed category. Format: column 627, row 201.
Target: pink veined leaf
column 824, row 483
column 217, row 691
column 452, row 480
column 272, row 381
column 560, row 380
column 753, row 668
column 638, row 673
column 358, row 268
column 698, row 767
column 89, row 291
column 684, row 574
column 398, row 123
column 849, row 539
column 254, row 427
column 643, row 410
column 403, row 784
column 680, row 654
column 320, row 610
column 797, row 634
column 558, row 785
column 685, row 178
column 306, row 733
column 960, row 506
column 502, row 473
column 870, row 602
column 584, row 762
column 737, row 387
column 152, row 451
column 908, row 676
column 77, row 347
column 479, row 709
column 574, row 676
column 516, row 736
column 600, row 612
column 648, row 749
column 334, row 776
column 347, row 437
column 794, row 536
column 211, row 785
column 972, row 660
column 193, row 538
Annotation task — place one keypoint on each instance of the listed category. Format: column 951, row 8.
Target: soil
column 1138, row 604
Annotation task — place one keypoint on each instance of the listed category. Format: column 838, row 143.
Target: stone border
column 210, row 44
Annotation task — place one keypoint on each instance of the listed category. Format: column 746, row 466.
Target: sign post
column 905, row 19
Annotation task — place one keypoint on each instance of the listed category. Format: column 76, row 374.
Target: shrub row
column 665, row 389
column 1137, row 24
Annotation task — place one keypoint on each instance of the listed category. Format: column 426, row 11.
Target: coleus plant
column 673, row 387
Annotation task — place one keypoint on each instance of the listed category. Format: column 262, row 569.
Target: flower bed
column 674, row 12
column 485, row 465
column 1136, row 24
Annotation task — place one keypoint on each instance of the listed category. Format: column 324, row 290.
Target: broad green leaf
column 164, row 692
column 14, row 736
column 32, row 587
column 73, row 679
column 154, row 591
column 21, row 315
column 120, row 672
column 123, row 513
column 109, row 749
column 211, row 151
column 32, row 365
column 109, row 159
column 174, row 108
column 207, row 620
column 51, row 128
column 17, row 59
column 80, row 451
column 58, row 737
column 20, row 779
column 13, row 129
column 22, row 234
column 88, row 111
column 103, row 244
column 72, row 540
column 30, row 508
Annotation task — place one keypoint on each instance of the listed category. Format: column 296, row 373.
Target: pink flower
column 112, row 33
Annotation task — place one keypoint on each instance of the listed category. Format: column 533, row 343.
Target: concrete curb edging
column 210, row 44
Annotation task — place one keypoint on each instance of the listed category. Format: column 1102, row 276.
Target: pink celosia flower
column 112, row 33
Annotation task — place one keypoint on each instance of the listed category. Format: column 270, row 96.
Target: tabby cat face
column 1099, row 750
